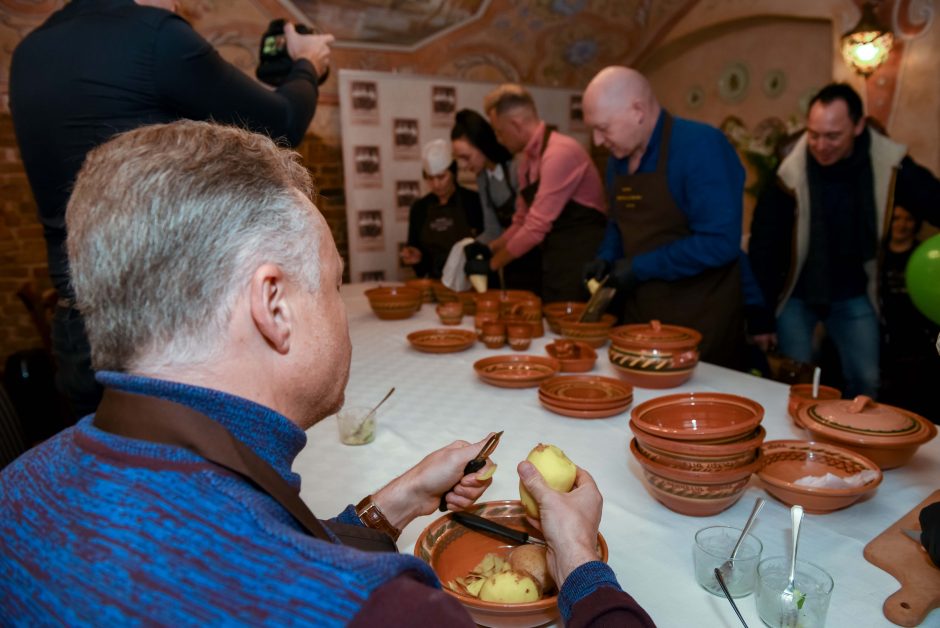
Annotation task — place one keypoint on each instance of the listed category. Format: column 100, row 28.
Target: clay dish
column 453, row 550
column 579, row 413
column 593, row 334
column 698, row 494
column 692, row 456
column 426, row 286
column 654, row 355
column 515, row 371
column 580, row 360
column 586, row 391
column 801, row 393
column 394, row 302
column 450, row 313
column 555, row 311
column 702, row 416
column 786, row 461
column 442, row 340
column 888, row 435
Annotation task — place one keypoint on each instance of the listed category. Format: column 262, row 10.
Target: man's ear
column 270, row 307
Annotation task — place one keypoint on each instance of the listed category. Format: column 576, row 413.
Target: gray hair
column 509, row 97
column 166, row 225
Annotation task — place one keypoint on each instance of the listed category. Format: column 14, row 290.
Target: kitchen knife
column 477, row 522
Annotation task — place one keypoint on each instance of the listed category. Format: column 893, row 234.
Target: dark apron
column 571, row 243
column 160, row 421
column 444, row 226
column 522, row 273
column 710, row 302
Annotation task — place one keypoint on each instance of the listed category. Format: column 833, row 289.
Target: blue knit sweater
column 104, row 530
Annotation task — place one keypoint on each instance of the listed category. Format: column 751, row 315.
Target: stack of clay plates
column 585, row 396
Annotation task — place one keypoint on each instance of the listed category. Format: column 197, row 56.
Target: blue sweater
column 104, row 530
column 706, row 180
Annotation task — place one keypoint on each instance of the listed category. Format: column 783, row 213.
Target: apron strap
column 156, row 420
column 662, row 162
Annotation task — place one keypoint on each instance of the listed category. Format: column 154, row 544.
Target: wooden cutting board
column 904, row 559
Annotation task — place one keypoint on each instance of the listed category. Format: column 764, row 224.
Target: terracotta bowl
column 394, row 302
column 580, row 358
column 654, row 355
column 594, row 334
column 426, row 286
column 705, row 417
column 887, row 435
column 699, row 494
column 453, row 550
column 443, row 294
column 450, row 313
column 693, row 456
column 785, row 461
column 800, row 393
column 555, row 311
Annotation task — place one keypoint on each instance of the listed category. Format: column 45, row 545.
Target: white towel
column 453, row 276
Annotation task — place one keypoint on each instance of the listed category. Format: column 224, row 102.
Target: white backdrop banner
column 386, row 118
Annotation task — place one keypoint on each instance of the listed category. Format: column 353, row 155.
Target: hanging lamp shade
column 866, row 46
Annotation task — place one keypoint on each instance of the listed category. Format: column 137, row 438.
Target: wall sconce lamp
column 866, row 46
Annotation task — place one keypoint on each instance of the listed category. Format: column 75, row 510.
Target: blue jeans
column 853, row 326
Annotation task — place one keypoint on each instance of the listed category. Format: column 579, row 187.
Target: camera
column 274, row 63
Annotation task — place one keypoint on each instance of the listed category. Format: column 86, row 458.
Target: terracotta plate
column 585, row 414
column 442, row 340
column 586, row 390
column 516, row 371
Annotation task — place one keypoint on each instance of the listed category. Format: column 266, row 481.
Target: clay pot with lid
column 887, row 435
column 654, row 355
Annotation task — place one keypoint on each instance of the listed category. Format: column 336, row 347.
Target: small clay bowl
column 786, row 461
column 426, row 286
column 519, row 336
column 555, row 311
column 698, row 494
column 394, row 302
column 700, row 416
column 450, row 313
column 481, row 318
column 594, row 334
column 801, row 393
column 579, row 357
column 453, row 550
column 493, row 334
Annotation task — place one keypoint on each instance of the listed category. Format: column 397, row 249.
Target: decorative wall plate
column 775, row 82
column 733, row 82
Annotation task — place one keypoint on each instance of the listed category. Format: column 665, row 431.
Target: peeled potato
column 510, row 587
column 531, row 559
column 486, row 475
column 557, row 469
column 593, row 285
column 479, row 282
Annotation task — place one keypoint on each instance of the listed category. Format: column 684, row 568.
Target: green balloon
column 923, row 278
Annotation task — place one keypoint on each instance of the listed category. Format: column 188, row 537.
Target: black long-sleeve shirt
column 100, row 67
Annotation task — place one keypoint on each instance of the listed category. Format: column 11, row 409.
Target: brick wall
column 23, row 251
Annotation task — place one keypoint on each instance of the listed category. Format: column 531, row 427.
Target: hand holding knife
column 476, row 464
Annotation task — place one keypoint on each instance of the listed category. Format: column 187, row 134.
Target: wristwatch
column 370, row 515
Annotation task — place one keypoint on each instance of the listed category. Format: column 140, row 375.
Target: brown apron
column 571, row 243
column 710, row 302
column 444, row 226
column 522, row 273
column 160, row 421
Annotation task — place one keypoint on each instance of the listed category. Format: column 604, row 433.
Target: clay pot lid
column 656, row 335
column 863, row 421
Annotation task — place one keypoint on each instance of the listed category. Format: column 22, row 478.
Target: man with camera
column 96, row 68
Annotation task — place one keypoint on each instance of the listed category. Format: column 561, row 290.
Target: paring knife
column 476, row 464
column 477, row 522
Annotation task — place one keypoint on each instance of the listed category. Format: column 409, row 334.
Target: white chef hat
column 436, row 157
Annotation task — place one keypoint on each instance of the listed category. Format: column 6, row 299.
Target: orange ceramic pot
column 654, row 355
column 394, row 302
column 594, row 334
column 801, row 393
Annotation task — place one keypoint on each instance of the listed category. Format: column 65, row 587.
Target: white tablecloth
column 439, row 399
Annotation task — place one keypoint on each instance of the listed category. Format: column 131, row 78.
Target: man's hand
column 569, row 521
column 410, row 255
column 313, row 48
column 596, row 270
column 621, row 276
column 478, row 259
column 418, row 491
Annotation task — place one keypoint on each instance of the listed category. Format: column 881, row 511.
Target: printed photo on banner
column 406, row 193
column 365, row 102
column 372, row 275
column 368, row 167
column 575, row 114
column 443, row 105
column 405, row 139
column 371, row 233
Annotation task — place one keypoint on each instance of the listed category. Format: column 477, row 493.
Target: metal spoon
column 724, row 590
column 788, row 597
column 384, row 399
column 728, row 566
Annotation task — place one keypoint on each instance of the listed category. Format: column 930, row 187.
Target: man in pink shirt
column 560, row 208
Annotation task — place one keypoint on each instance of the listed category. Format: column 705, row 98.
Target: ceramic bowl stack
column 593, row 333
column 697, row 450
column 555, row 311
column 654, row 355
column 394, row 302
column 585, row 396
column 885, row 434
